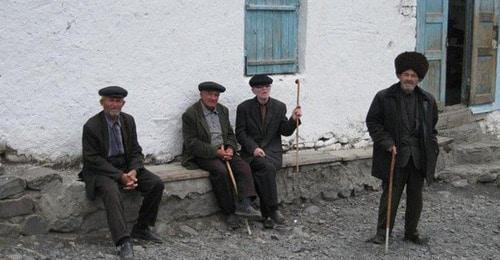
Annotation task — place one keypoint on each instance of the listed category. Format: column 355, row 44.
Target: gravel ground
column 462, row 223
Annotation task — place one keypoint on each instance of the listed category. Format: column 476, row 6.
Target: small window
column 271, row 36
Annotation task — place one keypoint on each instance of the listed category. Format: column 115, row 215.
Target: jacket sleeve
column 248, row 143
column 375, row 124
column 92, row 157
column 287, row 126
column 192, row 142
column 136, row 156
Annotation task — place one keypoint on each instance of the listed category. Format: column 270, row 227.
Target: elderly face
column 262, row 92
column 112, row 105
column 409, row 80
column 209, row 98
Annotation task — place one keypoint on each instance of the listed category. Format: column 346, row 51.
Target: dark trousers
column 151, row 188
column 221, row 182
column 414, row 181
column 264, row 175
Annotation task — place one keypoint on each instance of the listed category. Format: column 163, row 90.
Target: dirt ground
column 461, row 223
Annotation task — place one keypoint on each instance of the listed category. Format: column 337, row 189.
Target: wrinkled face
column 409, row 80
column 209, row 98
column 262, row 91
column 112, row 105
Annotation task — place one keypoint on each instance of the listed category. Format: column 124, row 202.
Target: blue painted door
column 432, row 26
column 271, row 28
column 484, row 52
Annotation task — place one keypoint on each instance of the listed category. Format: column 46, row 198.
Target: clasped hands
column 129, row 180
column 225, row 154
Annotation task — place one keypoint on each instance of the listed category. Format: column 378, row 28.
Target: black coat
column 385, row 124
column 95, row 146
column 251, row 133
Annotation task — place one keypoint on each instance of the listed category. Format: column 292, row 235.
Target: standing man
column 112, row 162
column 260, row 123
column 209, row 142
column 402, row 120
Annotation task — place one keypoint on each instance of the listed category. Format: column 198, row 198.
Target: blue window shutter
column 271, row 36
column 432, row 27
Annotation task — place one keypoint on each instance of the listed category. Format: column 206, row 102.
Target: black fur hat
column 411, row 60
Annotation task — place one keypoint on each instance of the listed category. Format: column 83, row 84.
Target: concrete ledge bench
column 38, row 200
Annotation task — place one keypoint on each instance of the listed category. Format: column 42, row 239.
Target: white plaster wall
column 55, row 55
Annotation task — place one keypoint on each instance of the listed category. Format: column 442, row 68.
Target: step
column 472, row 173
column 483, row 151
column 454, row 116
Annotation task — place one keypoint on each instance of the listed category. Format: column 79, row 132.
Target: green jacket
column 196, row 134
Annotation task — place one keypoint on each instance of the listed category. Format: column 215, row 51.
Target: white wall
column 55, row 55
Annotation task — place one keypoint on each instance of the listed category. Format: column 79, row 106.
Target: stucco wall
column 57, row 54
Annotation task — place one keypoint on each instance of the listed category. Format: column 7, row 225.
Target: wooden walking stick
column 233, row 181
column 297, row 130
column 389, row 201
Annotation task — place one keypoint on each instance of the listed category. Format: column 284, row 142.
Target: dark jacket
column 251, row 133
column 385, row 124
column 196, row 134
column 95, row 144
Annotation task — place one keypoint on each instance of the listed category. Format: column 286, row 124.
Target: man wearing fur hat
column 402, row 120
column 260, row 123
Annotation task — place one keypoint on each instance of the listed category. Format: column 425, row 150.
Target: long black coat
column 95, row 144
column 251, row 133
column 385, row 124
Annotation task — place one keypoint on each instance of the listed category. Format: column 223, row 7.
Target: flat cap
column 210, row 85
column 113, row 91
column 260, row 79
column 412, row 60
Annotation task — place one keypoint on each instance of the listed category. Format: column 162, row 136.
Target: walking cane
column 297, row 131
column 389, row 202
column 233, row 181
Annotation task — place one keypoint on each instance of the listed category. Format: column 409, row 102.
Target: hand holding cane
column 389, row 199
column 233, row 181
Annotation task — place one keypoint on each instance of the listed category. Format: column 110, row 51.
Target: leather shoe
column 416, row 239
column 145, row 234
column 247, row 211
column 268, row 223
column 232, row 221
column 278, row 217
column 126, row 251
column 377, row 239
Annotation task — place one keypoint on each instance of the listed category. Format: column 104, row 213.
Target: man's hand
column 393, row 150
column 229, row 153
column 297, row 113
column 258, row 152
column 129, row 180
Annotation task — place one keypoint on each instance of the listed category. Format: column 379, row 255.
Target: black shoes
column 277, row 217
column 244, row 209
column 377, row 239
column 145, row 234
column 232, row 221
column 126, row 251
column 268, row 223
column 416, row 239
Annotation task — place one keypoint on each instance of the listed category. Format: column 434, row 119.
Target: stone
column 16, row 207
column 329, row 195
column 139, row 249
column 345, row 193
column 312, row 210
column 7, row 229
column 14, row 257
column 34, row 225
column 330, row 141
column 39, row 177
column 487, row 178
column 361, row 144
column 14, row 158
column 460, row 183
column 2, row 169
column 3, row 147
column 343, row 140
column 444, row 194
column 188, row 230
column 298, row 231
column 11, row 185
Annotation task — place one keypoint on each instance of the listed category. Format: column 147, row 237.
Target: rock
column 2, row 169
column 10, row 185
column 298, row 231
column 110, row 256
column 39, row 177
column 487, row 178
column 444, row 194
column 460, row 184
column 345, row 193
column 330, row 141
column 319, row 143
column 312, row 210
column 274, row 237
column 188, row 230
column 361, row 144
column 16, row 207
column 343, row 140
column 329, row 195
column 3, row 147
column 34, row 225
column 14, row 158
column 7, row 229
column 14, row 257
column 139, row 249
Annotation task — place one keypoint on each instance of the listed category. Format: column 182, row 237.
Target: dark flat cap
column 260, row 79
column 412, row 60
column 113, row 91
column 210, row 85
